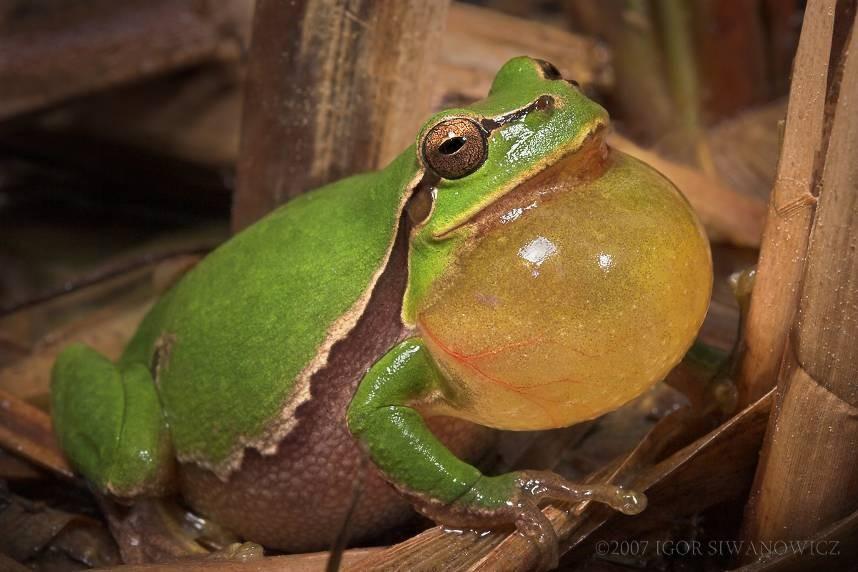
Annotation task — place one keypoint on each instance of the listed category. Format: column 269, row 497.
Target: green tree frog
column 509, row 269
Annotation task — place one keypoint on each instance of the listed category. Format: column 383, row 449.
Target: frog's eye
column 455, row 147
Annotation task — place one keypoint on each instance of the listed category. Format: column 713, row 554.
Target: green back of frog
column 233, row 344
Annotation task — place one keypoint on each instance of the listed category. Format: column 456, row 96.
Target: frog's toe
column 537, row 528
column 547, row 485
column 630, row 502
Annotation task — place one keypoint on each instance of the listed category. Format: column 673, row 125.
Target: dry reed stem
column 26, row 431
column 807, row 474
column 310, row 562
column 332, row 88
column 791, row 209
column 52, row 51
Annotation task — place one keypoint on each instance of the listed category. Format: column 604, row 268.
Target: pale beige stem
column 791, row 209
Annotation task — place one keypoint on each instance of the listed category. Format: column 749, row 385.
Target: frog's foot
column 444, row 488
column 514, row 498
column 109, row 422
column 473, row 512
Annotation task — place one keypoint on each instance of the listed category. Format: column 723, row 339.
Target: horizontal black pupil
column 452, row 145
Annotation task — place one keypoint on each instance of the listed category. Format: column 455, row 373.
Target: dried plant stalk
column 837, row 541
column 808, row 473
column 640, row 89
column 729, row 41
column 311, row 562
column 684, row 80
column 51, row 51
column 26, row 431
column 331, row 84
column 791, row 209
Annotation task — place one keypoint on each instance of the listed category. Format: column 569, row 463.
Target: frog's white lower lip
column 562, row 155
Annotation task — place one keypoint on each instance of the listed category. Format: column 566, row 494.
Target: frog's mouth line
column 588, row 154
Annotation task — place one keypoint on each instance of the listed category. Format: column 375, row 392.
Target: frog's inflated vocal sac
column 509, row 270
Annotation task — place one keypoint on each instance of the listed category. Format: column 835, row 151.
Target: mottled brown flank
column 296, row 499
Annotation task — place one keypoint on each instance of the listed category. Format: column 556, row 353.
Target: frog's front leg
column 109, row 422
column 384, row 416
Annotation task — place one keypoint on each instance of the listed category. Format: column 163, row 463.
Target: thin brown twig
column 26, row 431
column 99, row 276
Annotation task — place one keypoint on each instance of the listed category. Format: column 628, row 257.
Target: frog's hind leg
column 109, row 423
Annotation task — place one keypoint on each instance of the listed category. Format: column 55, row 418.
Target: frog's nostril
column 572, row 82
column 544, row 102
